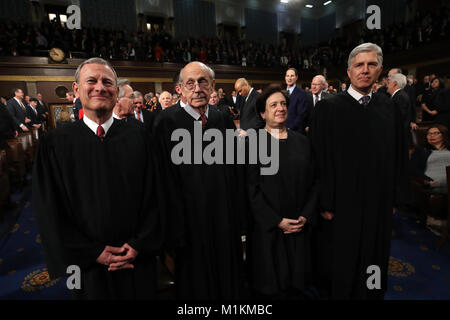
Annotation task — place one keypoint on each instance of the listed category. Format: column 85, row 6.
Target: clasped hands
column 292, row 225
column 117, row 258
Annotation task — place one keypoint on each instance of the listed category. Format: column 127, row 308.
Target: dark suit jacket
column 249, row 117
column 403, row 103
column 7, row 126
column 310, row 112
column 411, row 91
column 149, row 118
column 239, row 102
column 16, row 112
column 76, row 108
column 35, row 118
column 297, row 110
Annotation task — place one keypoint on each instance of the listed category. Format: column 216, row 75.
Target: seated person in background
column 429, row 180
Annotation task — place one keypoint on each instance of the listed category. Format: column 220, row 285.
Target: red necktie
column 203, row 117
column 138, row 116
column 100, row 132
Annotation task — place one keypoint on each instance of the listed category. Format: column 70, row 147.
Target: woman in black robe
column 282, row 207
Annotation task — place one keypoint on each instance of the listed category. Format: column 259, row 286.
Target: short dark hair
column 293, row 69
column 34, row 99
column 268, row 91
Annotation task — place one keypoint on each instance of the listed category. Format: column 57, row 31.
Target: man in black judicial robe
column 359, row 146
column 206, row 228
column 94, row 209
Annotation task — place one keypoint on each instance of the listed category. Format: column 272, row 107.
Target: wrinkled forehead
column 97, row 70
column 290, row 73
column 194, row 72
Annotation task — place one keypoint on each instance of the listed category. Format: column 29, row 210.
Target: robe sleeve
column 64, row 244
column 149, row 236
column 261, row 210
column 168, row 191
column 322, row 137
column 310, row 208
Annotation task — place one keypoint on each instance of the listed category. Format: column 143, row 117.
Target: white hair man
column 203, row 212
column 411, row 92
column 361, row 159
column 165, row 99
column 92, row 212
column 395, row 88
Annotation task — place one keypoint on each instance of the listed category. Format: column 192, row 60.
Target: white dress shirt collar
column 291, row 89
column 395, row 92
column 356, row 95
column 249, row 93
column 93, row 125
column 194, row 114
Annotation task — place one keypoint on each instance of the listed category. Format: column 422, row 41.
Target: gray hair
column 164, row 93
column 122, row 83
column 321, row 77
column 365, row 47
column 210, row 71
column 400, row 79
column 137, row 94
column 94, row 60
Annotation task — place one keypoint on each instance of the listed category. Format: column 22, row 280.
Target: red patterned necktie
column 100, row 132
column 203, row 117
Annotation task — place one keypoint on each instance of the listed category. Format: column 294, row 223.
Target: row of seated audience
column 24, row 39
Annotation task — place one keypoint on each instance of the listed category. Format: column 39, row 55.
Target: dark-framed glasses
column 202, row 83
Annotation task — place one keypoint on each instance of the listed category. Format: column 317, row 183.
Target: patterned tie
column 203, row 117
column 316, row 99
column 100, row 132
column 365, row 100
column 22, row 106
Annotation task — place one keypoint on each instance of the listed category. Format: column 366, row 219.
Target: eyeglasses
column 202, row 83
column 433, row 133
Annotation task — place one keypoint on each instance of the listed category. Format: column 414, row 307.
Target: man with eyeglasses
column 201, row 201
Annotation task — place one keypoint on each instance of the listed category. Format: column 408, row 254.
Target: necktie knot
column 365, row 100
column 203, row 118
column 100, row 132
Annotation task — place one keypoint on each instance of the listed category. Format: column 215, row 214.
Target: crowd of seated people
column 20, row 39
column 23, row 120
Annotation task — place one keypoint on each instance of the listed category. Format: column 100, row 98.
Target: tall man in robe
column 202, row 205
column 98, row 212
column 360, row 149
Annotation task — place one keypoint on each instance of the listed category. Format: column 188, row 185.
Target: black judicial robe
column 362, row 166
column 204, row 211
column 89, row 193
column 281, row 262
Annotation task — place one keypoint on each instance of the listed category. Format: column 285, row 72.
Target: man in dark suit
column 298, row 107
column 76, row 104
column 249, row 116
column 395, row 88
column 124, row 105
column 140, row 114
column 33, row 114
column 42, row 107
column 314, row 96
column 411, row 92
column 18, row 110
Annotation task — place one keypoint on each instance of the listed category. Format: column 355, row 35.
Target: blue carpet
column 417, row 269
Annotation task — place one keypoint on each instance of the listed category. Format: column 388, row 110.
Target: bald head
column 197, row 83
column 242, row 87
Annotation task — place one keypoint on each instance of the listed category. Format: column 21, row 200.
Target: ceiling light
column 309, row 6
column 327, row 3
